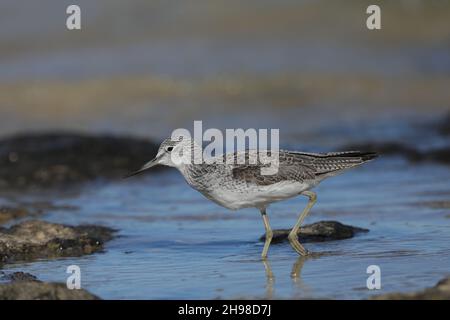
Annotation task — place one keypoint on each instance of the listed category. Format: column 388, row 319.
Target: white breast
column 259, row 196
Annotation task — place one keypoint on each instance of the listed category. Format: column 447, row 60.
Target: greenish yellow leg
column 269, row 233
column 293, row 237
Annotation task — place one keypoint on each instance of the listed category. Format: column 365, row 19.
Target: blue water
column 321, row 78
column 174, row 244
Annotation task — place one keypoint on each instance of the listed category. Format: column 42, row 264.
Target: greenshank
column 235, row 186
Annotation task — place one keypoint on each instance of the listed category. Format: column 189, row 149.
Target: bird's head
column 173, row 152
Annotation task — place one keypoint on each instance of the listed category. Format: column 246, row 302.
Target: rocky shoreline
column 31, row 240
column 34, row 239
column 64, row 159
column 54, row 160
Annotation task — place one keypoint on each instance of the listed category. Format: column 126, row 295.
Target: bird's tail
column 358, row 156
column 333, row 163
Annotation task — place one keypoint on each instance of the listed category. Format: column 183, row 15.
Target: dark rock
column 38, row 239
column 441, row 291
column 60, row 159
column 444, row 126
column 32, row 290
column 441, row 155
column 19, row 276
column 318, row 232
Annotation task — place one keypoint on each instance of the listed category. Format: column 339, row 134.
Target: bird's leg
column 293, row 237
column 269, row 233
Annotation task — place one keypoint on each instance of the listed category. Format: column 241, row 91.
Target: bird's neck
column 187, row 171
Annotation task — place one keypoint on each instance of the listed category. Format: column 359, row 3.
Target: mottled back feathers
column 300, row 166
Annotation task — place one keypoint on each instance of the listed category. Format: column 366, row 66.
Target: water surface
column 174, row 244
column 145, row 68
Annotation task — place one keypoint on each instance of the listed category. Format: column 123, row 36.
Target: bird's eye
column 169, row 149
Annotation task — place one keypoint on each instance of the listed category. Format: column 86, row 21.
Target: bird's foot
column 293, row 240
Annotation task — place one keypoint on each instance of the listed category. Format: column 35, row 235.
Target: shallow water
column 295, row 65
column 174, row 244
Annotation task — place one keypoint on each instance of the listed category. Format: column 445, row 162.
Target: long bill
column 147, row 166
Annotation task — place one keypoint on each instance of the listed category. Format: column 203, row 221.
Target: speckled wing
column 289, row 169
column 300, row 166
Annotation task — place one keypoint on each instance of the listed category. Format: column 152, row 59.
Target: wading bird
column 235, row 186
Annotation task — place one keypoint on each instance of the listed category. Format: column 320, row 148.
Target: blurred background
column 310, row 68
column 147, row 67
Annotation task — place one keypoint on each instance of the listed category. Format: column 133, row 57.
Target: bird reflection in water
column 295, row 275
